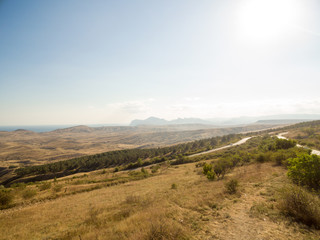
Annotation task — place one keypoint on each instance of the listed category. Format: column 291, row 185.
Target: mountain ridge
column 290, row 118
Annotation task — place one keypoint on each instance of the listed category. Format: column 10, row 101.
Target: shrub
column 29, row 193
column 221, row 167
column 174, row 186
column 305, row 169
column 211, row 175
column 300, row 204
column 155, row 168
column 45, row 186
column 207, row 168
column 57, row 188
column 285, row 144
column 232, row 186
column 116, row 169
column 144, row 171
column 161, row 228
column 5, row 198
column 279, row 158
column 261, row 158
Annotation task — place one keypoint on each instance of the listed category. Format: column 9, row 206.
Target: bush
column 207, row 168
column 57, row 188
column 302, row 205
column 5, row 198
column 45, row 186
column 155, row 168
column 144, row 171
column 232, row 186
column 211, row 175
column 29, row 193
column 261, row 158
column 174, row 186
column 279, row 158
column 221, row 167
column 284, row 143
column 305, row 170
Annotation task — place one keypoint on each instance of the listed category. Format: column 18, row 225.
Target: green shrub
column 284, row 143
column 5, row 198
column 261, row 158
column 305, row 170
column 174, row 186
column 155, row 168
column 211, row 175
column 300, row 204
column 29, row 193
column 221, row 167
column 45, row 186
column 207, row 168
column 144, row 171
column 232, row 186
column 279, row 158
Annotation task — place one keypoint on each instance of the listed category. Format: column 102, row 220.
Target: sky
column 96, row 62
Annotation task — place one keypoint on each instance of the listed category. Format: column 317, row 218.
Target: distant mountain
column 160, row 121
column 149, row 121
column 273, row 119
column 282, row 121
column 270, row 119
column 190, row 121
column 75, row 129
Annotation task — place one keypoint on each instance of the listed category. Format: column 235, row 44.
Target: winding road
column 313, row 151
column 242, row 141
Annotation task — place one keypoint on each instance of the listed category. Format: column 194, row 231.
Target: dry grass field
column 176, row 202
column 30, row 148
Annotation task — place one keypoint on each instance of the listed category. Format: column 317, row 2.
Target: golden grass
column 151, row 209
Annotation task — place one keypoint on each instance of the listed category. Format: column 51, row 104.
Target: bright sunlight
column 267, row 21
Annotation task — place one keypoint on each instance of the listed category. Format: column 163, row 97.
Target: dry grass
column 151, row 209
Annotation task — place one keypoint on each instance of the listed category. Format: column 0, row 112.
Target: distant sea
column 47, row 128
column 41, row 128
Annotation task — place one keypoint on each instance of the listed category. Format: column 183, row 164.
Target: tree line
column 129, row 158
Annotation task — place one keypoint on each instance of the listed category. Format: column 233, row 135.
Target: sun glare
column 265, row 21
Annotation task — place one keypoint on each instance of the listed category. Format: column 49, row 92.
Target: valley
column 22, row 147
column 172, row 199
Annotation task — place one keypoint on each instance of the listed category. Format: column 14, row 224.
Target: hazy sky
column 81, row 62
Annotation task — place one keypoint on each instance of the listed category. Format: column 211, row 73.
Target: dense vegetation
column 260, row 149
column 305, row 170
column 128, row 159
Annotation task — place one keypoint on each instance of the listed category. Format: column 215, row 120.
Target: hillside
column 164, row 201
column 20, row 148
